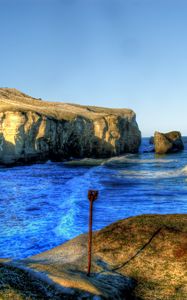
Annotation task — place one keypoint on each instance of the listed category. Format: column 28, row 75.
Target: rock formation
column 144, row 257
column 168, row 142
column 34, row 130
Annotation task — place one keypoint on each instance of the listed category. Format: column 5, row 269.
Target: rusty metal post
column 92, row 196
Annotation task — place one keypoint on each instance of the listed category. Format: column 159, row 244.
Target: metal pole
column 92, row 196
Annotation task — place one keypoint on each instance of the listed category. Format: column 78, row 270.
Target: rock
column 168, row 142
column 36, row 130
column 143, row 257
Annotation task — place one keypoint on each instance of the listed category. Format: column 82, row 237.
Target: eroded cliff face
column 33, row 130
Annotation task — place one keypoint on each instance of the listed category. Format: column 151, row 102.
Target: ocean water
column 44, row 205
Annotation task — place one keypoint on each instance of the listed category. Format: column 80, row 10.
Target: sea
column 45, row 205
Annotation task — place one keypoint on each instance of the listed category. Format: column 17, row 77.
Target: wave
column 121, row 160
column 86, row 162
column 125, row 159
column 154, row 174
column 184, row 170
column 76, row 190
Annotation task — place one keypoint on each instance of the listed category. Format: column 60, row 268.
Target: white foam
column 184, row 170
column 79, row 188
column 86, row 162
column 126, row 159
column 155, row 174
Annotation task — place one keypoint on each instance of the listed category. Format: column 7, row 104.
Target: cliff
column 35, row 130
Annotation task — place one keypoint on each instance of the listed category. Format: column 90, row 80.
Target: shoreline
column 141, row 242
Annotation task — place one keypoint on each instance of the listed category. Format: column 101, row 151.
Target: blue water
column 44, row 205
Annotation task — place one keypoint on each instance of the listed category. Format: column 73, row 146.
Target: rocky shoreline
column 143, row 257
column 139, row 258
column 35, row 131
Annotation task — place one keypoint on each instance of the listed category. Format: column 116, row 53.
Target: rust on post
column 92, row 196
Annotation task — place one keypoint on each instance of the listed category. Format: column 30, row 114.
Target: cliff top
column 14, row 100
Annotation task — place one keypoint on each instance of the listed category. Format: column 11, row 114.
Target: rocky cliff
column 35, row 130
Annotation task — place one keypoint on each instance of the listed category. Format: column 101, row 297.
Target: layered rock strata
column 34, row 130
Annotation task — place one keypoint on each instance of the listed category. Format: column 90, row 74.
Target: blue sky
column 115, row 53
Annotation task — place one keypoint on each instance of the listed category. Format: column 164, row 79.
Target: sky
column 112, row 53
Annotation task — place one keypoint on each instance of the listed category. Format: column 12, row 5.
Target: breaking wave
column 128, row 160
column 155, row 174
column 125, row 159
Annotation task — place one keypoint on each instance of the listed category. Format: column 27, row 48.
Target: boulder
column 168, row 142
column 35, row 130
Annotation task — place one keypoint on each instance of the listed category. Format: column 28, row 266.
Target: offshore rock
column 168, row 142
column 33, row 130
